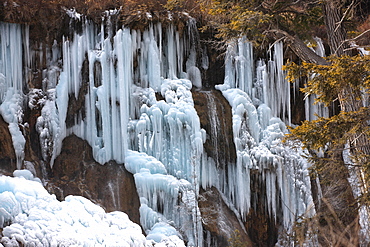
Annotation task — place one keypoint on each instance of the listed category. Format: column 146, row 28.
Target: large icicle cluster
column 258, row 130
column 115, row 91
column 110, row 98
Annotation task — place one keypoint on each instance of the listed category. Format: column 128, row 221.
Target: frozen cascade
column 167, row 130
column 170, row 132
column 113, row 92
column 135, row 86
column 258, row 131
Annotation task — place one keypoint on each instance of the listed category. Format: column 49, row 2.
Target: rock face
column 221, row 223
column 261, row 227
column 7, row 155
column 110, row 185
column 215, row 117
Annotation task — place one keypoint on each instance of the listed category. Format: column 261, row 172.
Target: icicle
column 13, row 51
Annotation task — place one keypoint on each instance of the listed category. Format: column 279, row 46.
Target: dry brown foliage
column 31, row 11
column 328, row 229
column 48, row 19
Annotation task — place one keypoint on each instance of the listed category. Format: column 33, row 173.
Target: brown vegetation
column 48, row 20
column 34, row 11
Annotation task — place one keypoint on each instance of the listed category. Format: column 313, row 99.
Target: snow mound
column 30, row 216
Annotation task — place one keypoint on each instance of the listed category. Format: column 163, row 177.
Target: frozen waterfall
column 138, row 109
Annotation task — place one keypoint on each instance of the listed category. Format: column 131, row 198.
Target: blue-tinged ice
column 314, row 109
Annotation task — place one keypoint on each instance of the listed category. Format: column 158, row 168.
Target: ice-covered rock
column 30, row 216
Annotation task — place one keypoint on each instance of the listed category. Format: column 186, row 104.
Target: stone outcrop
column 220, row 221
column 212, row 109
column 75, row 172
column 8, row 162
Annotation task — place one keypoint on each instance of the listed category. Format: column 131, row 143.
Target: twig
column 353, row 39
column 344, row 15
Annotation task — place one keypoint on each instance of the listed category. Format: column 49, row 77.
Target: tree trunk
column 298, row 47
column 350, row 99
column 335, row 30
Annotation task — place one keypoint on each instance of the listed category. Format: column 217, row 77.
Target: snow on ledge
column 30, row 216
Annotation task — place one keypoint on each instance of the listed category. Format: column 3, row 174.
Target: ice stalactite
column 13, row 56
column 239, row 65
column 265, row 85
column 312, row 108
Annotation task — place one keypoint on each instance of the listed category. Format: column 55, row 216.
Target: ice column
column 311, row 108
column 11, row 65
column 239, row 65
column 278, row 88
column 12, row 38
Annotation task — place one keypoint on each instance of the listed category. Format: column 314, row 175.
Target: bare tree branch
column 344, row 15
column 298, row 47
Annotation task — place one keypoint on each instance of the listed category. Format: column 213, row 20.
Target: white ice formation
column 260, row 106
column 139, row 111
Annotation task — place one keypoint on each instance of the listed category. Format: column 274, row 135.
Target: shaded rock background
column 215, row 117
